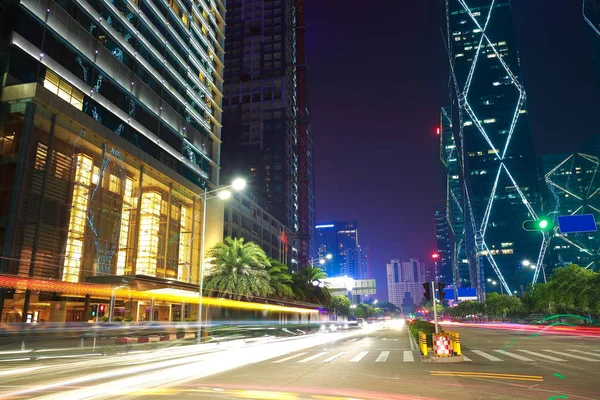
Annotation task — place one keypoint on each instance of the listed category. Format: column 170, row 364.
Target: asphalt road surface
column 503, row 362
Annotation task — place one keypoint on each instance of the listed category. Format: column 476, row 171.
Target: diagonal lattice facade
column 572, row 188
column 490, row 126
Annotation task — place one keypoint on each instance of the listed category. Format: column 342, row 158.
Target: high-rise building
column 494, row 147
column 572, row 187
column 459, row 274
column 244, row 218
column 335, row 238
column 444, row 248
column 405, row 280
column 110, row 128
column 591, row 15
column 356, row 263
column 266, row 134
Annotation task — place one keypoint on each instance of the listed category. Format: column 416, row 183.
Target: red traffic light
column 437, row 130
column 435, row 256
column 101, row 310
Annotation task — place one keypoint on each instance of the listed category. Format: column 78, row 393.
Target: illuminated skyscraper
column 110, row 129
column 336, row 238
column 494, row 148
column 266, row 134
column 405, row 280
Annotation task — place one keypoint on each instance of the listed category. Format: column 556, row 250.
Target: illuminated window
column 489, row 121
column 96, row 176
column 77, row 219
column 185, row 20
column 148, row 237
column 468, row 123
column 63, row 89
column 40, row 156
column 114, row 184
column 507, row 244
column 204, row 31
column 479, row 153
column 507, row 251
column 522, row 111
column 124, row 230
column 492, row 151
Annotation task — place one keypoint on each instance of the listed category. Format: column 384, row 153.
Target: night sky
column 378, row 77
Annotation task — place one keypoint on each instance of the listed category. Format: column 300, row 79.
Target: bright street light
column 224, row 194
column 322, row 261
column 489, row 280
column 328, row 256
column 526, row 263
column 238, row 184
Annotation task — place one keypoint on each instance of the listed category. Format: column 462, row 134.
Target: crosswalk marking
column 466, row 358
column 584, row 352
column 408, row 356
column 547, row 357
column 288, row 358
column 383, row 356
column 572, row 355
column 338, row 355
column 518, row 357
column 359, row 356
column 485, row 355
column 313, row 357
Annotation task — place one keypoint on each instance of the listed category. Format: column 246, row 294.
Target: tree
column 238, row 270
column 366, row 311
column 308, row 285
column 280, row 279
column 387, row 307
column 340, row 305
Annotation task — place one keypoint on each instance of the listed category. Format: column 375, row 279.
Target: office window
column 63, row 89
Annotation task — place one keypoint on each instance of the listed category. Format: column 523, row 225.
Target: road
column 504, row 362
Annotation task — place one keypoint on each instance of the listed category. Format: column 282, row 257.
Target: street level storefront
column 79, row 201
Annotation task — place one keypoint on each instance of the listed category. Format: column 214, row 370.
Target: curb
column 443, row 360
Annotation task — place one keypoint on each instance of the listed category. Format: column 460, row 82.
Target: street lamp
column 321, row 260
column 222, row 193
column 527, row 263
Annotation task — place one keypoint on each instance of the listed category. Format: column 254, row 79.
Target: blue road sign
column 577, row 223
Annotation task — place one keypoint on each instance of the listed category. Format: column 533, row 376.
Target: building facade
column 356, row 263
column 405, row 283
column 494, row 147
column 244, row 218
column 572, row 187
column 267, row 134
column 591, row 15
column 444, row 248
column 110, row 129
column 336, row 238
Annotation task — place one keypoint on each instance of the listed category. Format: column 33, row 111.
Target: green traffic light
column 543, row 223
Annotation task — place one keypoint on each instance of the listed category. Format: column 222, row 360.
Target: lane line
column 359, row 356
column 313, row 357
column 533, row 353
column 572, row 356
column 467, row 358
column 334, row 357
column 513, row 355
column 408, row 356
column 383, row 356
column 584, row 352
column 288, row 358
column 486, row 355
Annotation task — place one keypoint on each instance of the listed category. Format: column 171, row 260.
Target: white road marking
column 466, row 358
column 338, row 355
column 359, row 356
column 486, row 355
column 288, row 358
column 518, row 357
column 383, row 356
column 533, row 353
column 408, row 356
column 572, row 356
column 313, row 357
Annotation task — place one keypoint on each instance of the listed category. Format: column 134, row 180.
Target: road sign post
column 434, row 300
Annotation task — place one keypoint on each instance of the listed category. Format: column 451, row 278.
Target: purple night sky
column 377, row 81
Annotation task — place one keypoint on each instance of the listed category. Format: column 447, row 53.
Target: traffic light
column 101, row 310
column 427, row 293
column 441, row 293
column 542, row 224
column 94, row 310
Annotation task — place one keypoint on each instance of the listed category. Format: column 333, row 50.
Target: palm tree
column 281, row 280
column 309, row 285
column 238, row 270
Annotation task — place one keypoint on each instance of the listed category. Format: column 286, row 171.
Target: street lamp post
column 527, row 263
column 321, row 260
column 223, row 193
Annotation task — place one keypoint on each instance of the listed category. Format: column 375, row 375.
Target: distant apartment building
column 336, row 238
column 244, row 218
column 356, row 263
column 405, row 280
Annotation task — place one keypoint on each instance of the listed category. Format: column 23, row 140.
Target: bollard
column 423, row 343
column 457, row 349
